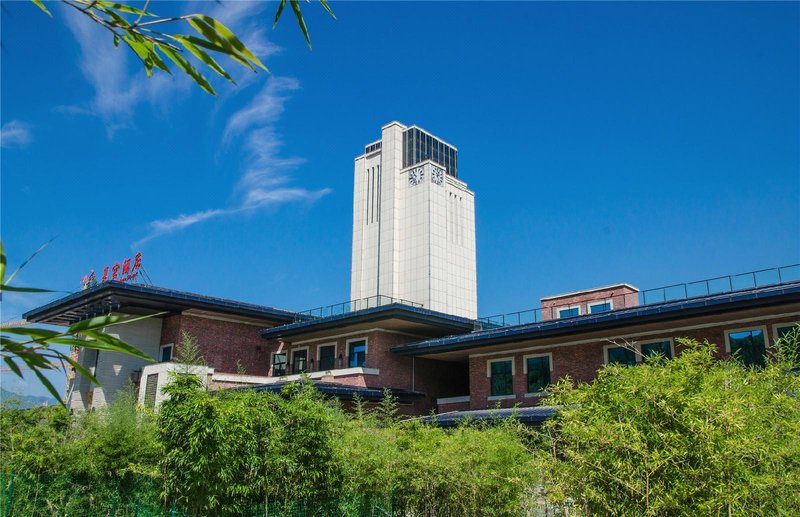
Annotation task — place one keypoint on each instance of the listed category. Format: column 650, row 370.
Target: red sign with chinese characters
column 124, row 272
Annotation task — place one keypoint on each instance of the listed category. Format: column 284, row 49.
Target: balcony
column 338, row 309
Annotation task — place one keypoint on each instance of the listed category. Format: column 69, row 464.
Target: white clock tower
column 413, row 224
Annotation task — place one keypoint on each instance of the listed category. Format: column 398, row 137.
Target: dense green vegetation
column 691, row 436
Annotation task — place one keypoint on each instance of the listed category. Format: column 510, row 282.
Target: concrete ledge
column 502, row 397
column 453, row 400
column 537, row 394
column 254, row 379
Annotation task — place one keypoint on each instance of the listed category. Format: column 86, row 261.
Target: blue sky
column 640, row 142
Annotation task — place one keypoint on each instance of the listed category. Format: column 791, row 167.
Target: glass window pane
column 782, row 331
column 661, row 348
column 568, row 313
column 278, row 365
column 600, row 307
column 538, row 373
column 620, row 355
column 327, row 359
column 299, row 359
column 502, row 381
column 358, row 354
column 748, row 346
column 166, row 354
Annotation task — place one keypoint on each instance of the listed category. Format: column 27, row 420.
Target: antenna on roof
column 144, row 277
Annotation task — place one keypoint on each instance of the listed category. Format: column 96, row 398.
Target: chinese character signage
column 125, row 272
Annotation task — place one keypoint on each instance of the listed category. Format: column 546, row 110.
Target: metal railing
column 338, row 309
column 717, row 285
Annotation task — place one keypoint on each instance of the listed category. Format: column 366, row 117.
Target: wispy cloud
column 118, row 87
column 15, row 134
column 267, row 175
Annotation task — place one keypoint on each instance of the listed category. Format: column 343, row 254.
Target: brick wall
column 582, row 361
column 433, row 378
column 620, row 296
column 222, row 343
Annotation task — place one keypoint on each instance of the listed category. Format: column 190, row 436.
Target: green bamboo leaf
column 11, row 346
column 80, row 369
column 125, row 8
column 23, row 289
column 327, row 8
column 222, row 32
column 3, row 263
column 13, row 366
column 97, row 322
column 116, row 40
column 205, row 58
column 41, row 6
column 140, row 51
column 216, row 48
column 43, row 246
column 155, row 57
column 278, row 13
column 119, row 20
column 33, row 333
column 300, row 21
column 190, row 70
column 44, row 380
column 112, row 343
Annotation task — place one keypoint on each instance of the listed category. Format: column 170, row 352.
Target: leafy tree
column 688, row 436
column 147, row 36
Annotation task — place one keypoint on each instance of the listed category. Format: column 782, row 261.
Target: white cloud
column 15, row 134
column 264, row 182
column 119, row 88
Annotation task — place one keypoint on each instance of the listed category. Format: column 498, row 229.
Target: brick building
column 429, row 360
column 411, row 326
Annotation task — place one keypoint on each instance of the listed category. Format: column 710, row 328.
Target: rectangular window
column 748, row 346
column 357, row 354
column 278, row 365
column 538, row 373
column 327, row 357
column 661, row 348
column 599, row 307
column 781, row 331
column 569, row 312
column 299, row 360
column 150, row 389
column 166, row 353
column 621, row 355
column 502, row 378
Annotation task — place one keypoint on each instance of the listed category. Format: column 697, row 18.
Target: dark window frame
column 538, row 378
column 276, row 370
column 299, row 364
column 353, row 356
column 323, row 364
column 665, row 346
column 749, row 353
column 630, row 356
column 501, row 383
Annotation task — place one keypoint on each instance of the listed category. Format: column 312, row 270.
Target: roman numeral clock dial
column 415, row 176
column 437, row 175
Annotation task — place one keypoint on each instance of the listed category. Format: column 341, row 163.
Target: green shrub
column 689, row 436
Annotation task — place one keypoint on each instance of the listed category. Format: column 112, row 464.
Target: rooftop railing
column 718, row 285
column 338, row 309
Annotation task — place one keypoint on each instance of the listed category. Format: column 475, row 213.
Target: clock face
column 437, row 175
column 415, row 176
